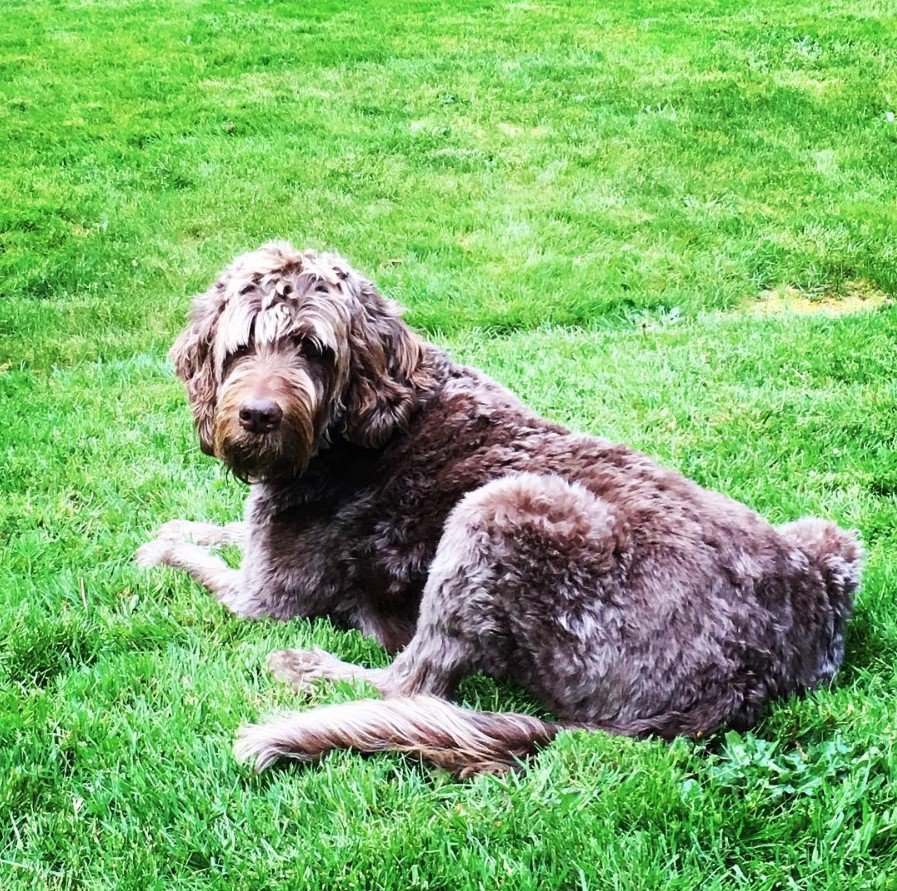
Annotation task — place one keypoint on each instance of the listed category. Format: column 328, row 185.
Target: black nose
column 260, row 415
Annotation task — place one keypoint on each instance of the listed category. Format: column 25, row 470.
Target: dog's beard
column 283, row 452
column 256, row 457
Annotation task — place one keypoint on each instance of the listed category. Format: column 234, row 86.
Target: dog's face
column 288, row 349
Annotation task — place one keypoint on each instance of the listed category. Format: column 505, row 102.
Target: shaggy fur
column 416, row 499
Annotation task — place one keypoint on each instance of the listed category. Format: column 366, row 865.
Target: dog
column 398, row 492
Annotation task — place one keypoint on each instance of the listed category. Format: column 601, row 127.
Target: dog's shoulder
column 469, row 394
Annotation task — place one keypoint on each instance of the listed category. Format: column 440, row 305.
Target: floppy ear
column 386, row 370
column 193, row 362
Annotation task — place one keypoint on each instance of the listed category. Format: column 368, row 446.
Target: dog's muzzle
column 265, row 424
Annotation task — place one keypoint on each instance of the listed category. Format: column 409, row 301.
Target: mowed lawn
column 670, row 223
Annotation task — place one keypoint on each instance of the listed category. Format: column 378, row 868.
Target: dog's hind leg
column 516, row 557
column 301, row 667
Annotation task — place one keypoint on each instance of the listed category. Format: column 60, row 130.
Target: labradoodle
column 416, row 499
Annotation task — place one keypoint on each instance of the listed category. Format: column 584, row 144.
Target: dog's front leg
column 206, row 534
column 206, row 568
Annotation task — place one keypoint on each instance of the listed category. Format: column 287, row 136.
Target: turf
column 589, row 202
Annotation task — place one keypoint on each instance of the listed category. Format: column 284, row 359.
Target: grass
column 595, row 205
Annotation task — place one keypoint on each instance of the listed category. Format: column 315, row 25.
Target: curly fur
column 420, row 501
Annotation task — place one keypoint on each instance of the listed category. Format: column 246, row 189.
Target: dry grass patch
column 858, row 296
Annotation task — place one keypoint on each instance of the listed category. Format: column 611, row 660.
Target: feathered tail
column 459, row 739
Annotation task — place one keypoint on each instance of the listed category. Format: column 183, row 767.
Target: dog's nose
column 260, row 415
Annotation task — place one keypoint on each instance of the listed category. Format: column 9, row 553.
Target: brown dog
column 420, row 501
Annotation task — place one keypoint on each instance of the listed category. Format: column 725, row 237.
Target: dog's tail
column 459, row 739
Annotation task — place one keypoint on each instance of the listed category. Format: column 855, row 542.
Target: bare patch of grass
column 857, row 296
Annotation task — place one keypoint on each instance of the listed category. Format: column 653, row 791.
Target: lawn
column 670, row 223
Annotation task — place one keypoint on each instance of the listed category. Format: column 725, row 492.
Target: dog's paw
column 301, row 667
column 204, row 534
column 154, row 553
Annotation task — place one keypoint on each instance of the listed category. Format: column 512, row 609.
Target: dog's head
column 288, row 348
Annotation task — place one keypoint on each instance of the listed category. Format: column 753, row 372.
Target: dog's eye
column 238, row 353
column 311, row 349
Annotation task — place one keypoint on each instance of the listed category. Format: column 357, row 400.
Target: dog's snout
column 260, row 415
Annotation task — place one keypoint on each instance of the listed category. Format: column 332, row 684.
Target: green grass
column 586, row 200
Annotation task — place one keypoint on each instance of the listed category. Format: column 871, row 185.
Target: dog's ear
column 193, row 363
column 386, row 369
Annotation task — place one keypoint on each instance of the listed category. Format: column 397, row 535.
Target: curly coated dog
column 398, row 492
